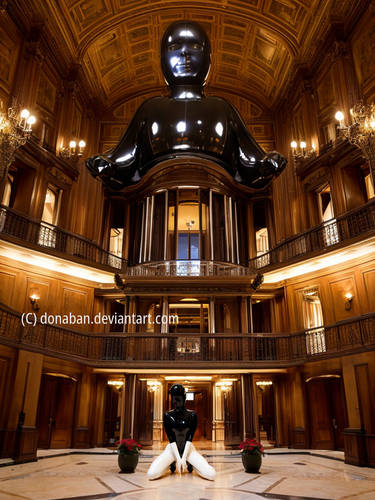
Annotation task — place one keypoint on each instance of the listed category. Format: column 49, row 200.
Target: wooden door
column 327, row 412
column 339, row 414
column 201, row 405
column 321, row 429
column 111, row 419
column 233, row 415
column 46, row 407
column 61, row 436
column 143, row 414
column 56, row 412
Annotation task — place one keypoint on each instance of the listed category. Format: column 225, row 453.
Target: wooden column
column 354, row 435
column 129, row 406
column 298, row 437
column 218, row 434
column 81, row 437
column 247, row 406
column 157, row 430
column 21, row 437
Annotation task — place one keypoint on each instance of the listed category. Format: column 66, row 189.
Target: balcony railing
column 53, row 239
column 188, row 268
column 326, row 236
column 278, row 349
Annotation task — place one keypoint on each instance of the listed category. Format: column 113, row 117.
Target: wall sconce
column 118, row 384
column 225, row 385
column 34, row 299
column 348, row 301
column 264, row 382
column 73, row 151
column 153, row 385
column 300, row 151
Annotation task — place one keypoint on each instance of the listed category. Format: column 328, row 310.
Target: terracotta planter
column 252, row 461
column 128, row 462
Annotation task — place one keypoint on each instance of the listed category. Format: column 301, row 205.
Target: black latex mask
column 185, row 54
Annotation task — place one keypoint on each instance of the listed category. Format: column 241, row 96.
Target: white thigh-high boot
column 200, row 464
column 161, row 463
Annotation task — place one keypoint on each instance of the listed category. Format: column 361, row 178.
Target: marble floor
column 93, row 474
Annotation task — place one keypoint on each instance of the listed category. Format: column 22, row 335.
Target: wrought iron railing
column 188, row 268
column 353, row 335
column 53, row 239
column 326, row 236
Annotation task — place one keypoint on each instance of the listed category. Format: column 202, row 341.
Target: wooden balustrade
column 326, row 236
column 271, row 349
column 53, row 239
column 188, row 268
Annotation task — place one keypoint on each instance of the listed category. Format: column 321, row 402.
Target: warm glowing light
column 293, row 144
column 334, row 258
column 82, row 144
column 31, row 120
column 302, row 144
column 372, row 124
column 72, row 144
column 34, row 296
column 189, row 377
column 264, row 382
column 349, row 296
column 116, row 383
column 339, row 116
column 25, row 113
column 181, row 126
column 153, row 385
column 35, row 258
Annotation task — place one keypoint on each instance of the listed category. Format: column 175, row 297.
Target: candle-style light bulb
column 25, row 113
column 340, row 118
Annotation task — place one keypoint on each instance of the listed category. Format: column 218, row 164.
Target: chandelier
column 361, row 132
column 15, row 129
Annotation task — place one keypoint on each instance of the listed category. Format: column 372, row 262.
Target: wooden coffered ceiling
column 256, row 44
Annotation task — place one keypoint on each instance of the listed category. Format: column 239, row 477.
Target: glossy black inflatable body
column 186, row 123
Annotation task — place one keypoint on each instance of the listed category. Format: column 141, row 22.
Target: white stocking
column 200, row 464
column 161, row 463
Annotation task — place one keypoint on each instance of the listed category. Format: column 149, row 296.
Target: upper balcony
column 333, row 234
column 35, row 234
column 351, row 227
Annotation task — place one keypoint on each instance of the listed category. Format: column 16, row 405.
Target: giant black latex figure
column 186, row 122
column 180, row 425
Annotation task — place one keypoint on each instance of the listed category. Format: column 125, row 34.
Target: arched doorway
column 56, row 409
column 327, row 412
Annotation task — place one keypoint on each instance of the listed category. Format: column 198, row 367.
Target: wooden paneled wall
column 58, row 294
column 341, row 74
column 34, row 78
column 357, row 278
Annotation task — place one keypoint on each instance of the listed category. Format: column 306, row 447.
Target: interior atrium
column 125, row 270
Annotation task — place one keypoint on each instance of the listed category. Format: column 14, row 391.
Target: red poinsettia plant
column 251, row 446
column 128, row 446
